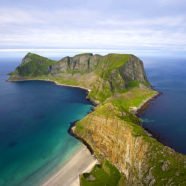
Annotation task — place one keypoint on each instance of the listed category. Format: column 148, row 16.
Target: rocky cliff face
column 133, row 70
column 115, row 136
column 81, row 63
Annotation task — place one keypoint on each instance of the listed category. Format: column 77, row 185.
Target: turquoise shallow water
column 34, row 119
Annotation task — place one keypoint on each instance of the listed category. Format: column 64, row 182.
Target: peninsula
column 127, row 154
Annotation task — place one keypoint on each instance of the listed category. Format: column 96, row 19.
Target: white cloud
column 172, row 2
column 17, row 16
column 90, row 28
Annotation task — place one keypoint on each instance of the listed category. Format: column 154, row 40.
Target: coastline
column 135, row 110
column 94, row 103
column 82, row 161
column 143, row 106
column 52, row 81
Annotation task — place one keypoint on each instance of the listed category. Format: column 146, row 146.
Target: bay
column 34, row 120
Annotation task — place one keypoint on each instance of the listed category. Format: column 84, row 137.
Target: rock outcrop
column 133, row 70
column 81, row 63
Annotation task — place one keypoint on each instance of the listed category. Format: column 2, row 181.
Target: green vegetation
column 133, row 98
column 34, row 65
column 111, row 62
column 111, row 80
column 104, row 174
column 168, row 165
column 133, row 84
column 100, row 92
column 58, row 80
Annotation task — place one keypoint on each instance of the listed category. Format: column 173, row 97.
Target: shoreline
column 71, row 132
column 150, row 133
column 143, row 106
column 94, row 103
column 52, row 81
column 82, row 161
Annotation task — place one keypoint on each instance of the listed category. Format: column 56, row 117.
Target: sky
column 131, row 26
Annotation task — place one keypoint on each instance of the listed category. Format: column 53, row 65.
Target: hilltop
column 118, row 83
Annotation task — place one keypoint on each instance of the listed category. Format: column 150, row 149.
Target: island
column 118, row 86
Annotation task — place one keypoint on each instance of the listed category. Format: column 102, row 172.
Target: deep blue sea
column 34, row 120
column 166, row 115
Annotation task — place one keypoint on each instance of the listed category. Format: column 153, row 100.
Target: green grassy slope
column 34, row 65
column 104, row 174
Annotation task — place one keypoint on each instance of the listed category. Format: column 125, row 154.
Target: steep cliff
column 119, row 83
column 115, row 134
column 79, row 63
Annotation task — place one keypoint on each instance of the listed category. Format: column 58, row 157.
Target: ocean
column 34, row 120
column 35, row 117
column 165, row 117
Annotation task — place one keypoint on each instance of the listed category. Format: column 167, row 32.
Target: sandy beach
column 68, row 175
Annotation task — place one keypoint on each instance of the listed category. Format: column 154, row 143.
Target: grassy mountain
column 33, row 65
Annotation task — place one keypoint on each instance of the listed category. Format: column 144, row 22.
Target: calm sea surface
column 34, row 119
column 166, row 115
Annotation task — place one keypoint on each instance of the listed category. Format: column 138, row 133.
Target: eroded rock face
column 141, row 159
column 62, row 66
column 112, row 139
column 81, row 63
column 130, row 71
column 133, row 70
column 116, row 81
